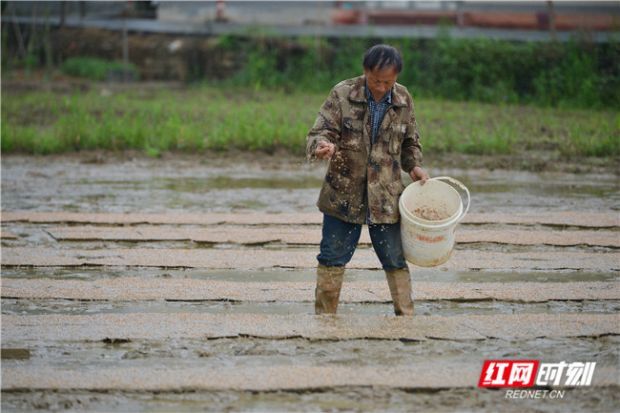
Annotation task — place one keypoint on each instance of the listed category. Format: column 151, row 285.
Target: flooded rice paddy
column 192, row 289
column 267, row 184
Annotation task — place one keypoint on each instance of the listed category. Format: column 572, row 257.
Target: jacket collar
column 386, row 98
column 358, row 93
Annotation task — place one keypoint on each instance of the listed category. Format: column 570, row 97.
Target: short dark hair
column 382, row 55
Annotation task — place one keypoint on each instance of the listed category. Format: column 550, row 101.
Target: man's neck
column 371, row 95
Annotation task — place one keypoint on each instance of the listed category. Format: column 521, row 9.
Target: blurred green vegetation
column 216, row 118
column 575, row 74
column 98, row 69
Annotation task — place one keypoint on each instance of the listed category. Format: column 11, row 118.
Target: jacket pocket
column 351, row 135
column 396, row 136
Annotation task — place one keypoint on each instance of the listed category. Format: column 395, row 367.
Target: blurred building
column 530, row 15
column 519, row 15
column 181, row 40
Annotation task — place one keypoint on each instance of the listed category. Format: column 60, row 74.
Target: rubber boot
column 399, row 282
column 327, row 292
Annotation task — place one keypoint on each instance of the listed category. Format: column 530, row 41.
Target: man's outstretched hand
column 324, row 150
column 419, row 174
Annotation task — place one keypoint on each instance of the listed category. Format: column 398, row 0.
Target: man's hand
column 324, row 150
column 419, row 174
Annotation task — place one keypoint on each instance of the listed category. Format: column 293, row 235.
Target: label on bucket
column 430, row 239
column 427, row 248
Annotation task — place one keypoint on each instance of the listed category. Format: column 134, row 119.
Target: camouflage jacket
column 357, row 173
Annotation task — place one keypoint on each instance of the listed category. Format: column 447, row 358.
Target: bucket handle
column 460, row 185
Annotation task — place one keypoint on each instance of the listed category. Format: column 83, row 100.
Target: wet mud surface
column 259, row 258
column 227, row 352
column 140, row 289
column 588, row 219
column 201, row 298
column 346, row 326
column 312, row 236
column 183, row 184
column 297, row 274
column 345, row 398
column 24, row 306
column 297, row 376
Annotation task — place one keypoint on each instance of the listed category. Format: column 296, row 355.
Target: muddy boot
column 327, row 292
column 399, row 282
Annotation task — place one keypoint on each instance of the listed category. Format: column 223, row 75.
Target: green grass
column 207, row 118
column 96, row 69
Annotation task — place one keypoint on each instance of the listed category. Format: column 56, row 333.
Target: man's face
column 380, row 81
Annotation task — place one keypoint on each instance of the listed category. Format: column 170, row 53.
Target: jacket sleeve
column 326, row 126
column 411, row 149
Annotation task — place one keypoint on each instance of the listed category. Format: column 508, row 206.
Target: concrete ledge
column 426, row 375
column 582, row 219
column 189, row 289
column 7, row 235
column 304, row 235
column 341, row 327
column 244, row 259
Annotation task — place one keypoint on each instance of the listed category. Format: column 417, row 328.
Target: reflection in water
column 182, row 185
column 422, row 307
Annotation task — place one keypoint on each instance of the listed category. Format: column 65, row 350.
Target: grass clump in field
column 98, row 69
column 207, row 118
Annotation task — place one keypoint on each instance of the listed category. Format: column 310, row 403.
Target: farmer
column 367, row 130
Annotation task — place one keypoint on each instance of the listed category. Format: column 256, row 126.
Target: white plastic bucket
column 429, row 243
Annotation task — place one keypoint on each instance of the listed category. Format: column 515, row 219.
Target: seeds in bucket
column 430, row 213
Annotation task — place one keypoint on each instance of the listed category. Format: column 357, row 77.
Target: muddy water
column 418, row 274
column 422, row 307
column 259, row 352
column 192, row 184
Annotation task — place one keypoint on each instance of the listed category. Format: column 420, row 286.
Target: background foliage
column 573, row 74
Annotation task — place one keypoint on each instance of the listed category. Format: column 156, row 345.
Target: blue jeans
column 340, row 239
